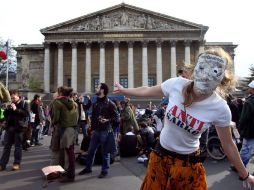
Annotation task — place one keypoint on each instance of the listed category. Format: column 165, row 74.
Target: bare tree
column 11, row 60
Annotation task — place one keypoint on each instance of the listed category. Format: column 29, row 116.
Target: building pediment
column 123, row 17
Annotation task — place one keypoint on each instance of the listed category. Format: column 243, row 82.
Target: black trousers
column 12, row 136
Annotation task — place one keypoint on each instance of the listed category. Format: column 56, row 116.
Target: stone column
column 60, row 65
column 173, row 58
column 144, row 64
column 187, row 52
column 46, row 67
column 130, row 65
column 74, row 66
column 201, row 46
column 102, row 62
column 158, row 63
column 88, row 83
column 116, row 62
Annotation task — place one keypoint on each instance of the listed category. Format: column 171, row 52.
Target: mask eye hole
column 201, row 67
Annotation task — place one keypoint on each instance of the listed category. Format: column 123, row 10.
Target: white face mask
column 208, row 73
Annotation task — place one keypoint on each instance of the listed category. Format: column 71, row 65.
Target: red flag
column 3, row 55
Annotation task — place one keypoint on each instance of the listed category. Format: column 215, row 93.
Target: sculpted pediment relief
column 121, row 19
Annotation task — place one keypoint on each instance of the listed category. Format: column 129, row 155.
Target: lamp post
column 7, row 64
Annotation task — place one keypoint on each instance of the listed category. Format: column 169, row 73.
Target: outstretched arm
column 143, row 91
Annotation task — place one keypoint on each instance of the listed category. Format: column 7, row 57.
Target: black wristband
column 243, row 179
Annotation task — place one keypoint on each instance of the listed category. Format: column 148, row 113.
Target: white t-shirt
column 182, row 135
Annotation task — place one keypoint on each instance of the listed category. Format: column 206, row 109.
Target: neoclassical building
column 122, row 43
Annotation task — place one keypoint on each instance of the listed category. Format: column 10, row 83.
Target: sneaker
column 141, row 159
column 103, row 174
column 66, row 179
column 2, row 168
column 85, row 171
column 117, row 159
column 15, row 167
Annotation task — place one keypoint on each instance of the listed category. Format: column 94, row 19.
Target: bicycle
column 210, row 145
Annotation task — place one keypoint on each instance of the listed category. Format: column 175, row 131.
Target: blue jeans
column 247, row 150
column 35, row 134
column 83, row 125
column 12, row 136
column 98, row 138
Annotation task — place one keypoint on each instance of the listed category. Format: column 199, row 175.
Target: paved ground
column 124, row 175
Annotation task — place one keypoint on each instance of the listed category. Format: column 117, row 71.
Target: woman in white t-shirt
column 193, row 107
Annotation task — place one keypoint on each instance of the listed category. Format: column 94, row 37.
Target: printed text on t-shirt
column 185, row 121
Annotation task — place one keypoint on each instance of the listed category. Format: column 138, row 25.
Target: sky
column 228, row 20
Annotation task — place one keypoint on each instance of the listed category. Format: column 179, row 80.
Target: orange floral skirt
column 168, row 173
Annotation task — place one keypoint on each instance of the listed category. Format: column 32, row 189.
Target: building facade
column 122, row 43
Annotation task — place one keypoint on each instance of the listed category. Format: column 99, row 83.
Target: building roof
column 124, row 17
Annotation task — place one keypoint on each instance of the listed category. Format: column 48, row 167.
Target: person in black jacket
column 16, row 114
column 246, row 126
column 104, row 113
column 36, row 108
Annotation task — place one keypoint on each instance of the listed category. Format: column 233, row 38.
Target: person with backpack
column 17, row 116
column 65, row 116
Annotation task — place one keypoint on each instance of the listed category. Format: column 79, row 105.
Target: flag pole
column 7, row 64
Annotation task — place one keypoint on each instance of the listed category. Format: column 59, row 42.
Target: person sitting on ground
column 147, row 136
column 128, row 143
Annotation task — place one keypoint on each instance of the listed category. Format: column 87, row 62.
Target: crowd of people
column 166, row 135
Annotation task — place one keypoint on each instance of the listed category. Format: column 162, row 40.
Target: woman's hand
column 248, row 182
column 118, row 89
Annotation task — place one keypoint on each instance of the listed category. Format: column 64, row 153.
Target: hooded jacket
column 64, row 112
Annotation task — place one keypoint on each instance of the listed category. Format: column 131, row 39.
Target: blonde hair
column 227, row 84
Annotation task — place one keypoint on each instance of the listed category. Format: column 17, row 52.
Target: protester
column 128, row 119
column 83, row 119
column 37, row 124
column 104, row 113
column 159, row 117
column 56, row 158
column 16, row 115
column 246, row 126
column 47, row 120
column 65, row 115
column 193, row 107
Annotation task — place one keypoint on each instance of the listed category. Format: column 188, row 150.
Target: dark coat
column 246, row 122
column 13, row 117
column 103, row 108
